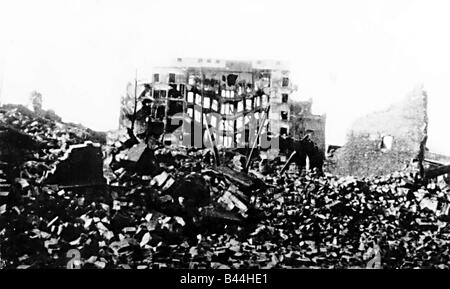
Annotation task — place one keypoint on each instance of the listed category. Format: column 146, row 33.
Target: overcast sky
column 350, row 57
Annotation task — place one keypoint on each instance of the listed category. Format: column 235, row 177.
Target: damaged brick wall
column 385, row 141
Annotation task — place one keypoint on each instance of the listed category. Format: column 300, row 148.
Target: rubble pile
column 167, row 207
column 329, row 222
column 168, row 193
column 48, row 137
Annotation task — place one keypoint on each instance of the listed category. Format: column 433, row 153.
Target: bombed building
column 237, row 99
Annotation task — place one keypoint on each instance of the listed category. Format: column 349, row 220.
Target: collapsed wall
column 385, row 141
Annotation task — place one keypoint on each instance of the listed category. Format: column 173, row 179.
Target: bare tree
column 36, row 101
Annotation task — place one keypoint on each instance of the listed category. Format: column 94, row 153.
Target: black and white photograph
column 251, row 134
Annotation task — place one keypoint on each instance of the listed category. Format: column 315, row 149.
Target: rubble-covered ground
column 170, row 207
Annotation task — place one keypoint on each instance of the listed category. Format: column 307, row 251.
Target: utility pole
column 255, row 142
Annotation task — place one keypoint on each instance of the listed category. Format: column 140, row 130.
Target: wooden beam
column 261, row 125
column 288, row 162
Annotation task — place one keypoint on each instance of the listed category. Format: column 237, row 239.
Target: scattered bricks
column 232, row 201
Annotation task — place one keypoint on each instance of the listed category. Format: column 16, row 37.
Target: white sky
column 351, row 57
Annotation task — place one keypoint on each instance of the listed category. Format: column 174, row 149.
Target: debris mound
column 172, row 207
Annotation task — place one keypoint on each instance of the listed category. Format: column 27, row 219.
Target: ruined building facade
column 233, row 97
column 386, row 141
column 231, row 93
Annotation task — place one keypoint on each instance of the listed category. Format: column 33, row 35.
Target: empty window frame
column 159, row 94
column 310, row 133
column 284, row 98
column 190, row 97
column 240, row 106
column 240, row 90
column 265, row 99
column 228, row 141
column 190, row 112
column 192, row 80
column 283, row 131
column 284, row 115
column 226, row 108
column 213, row 121
column 229, row 109
column 386, row 143
column 214, row 105
column 257, row 101
column 248, row 104
column 285, row 82
column 198, row 99
column 206, row 102
column 231, row 79
column 171, row 77
column 181, row 87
